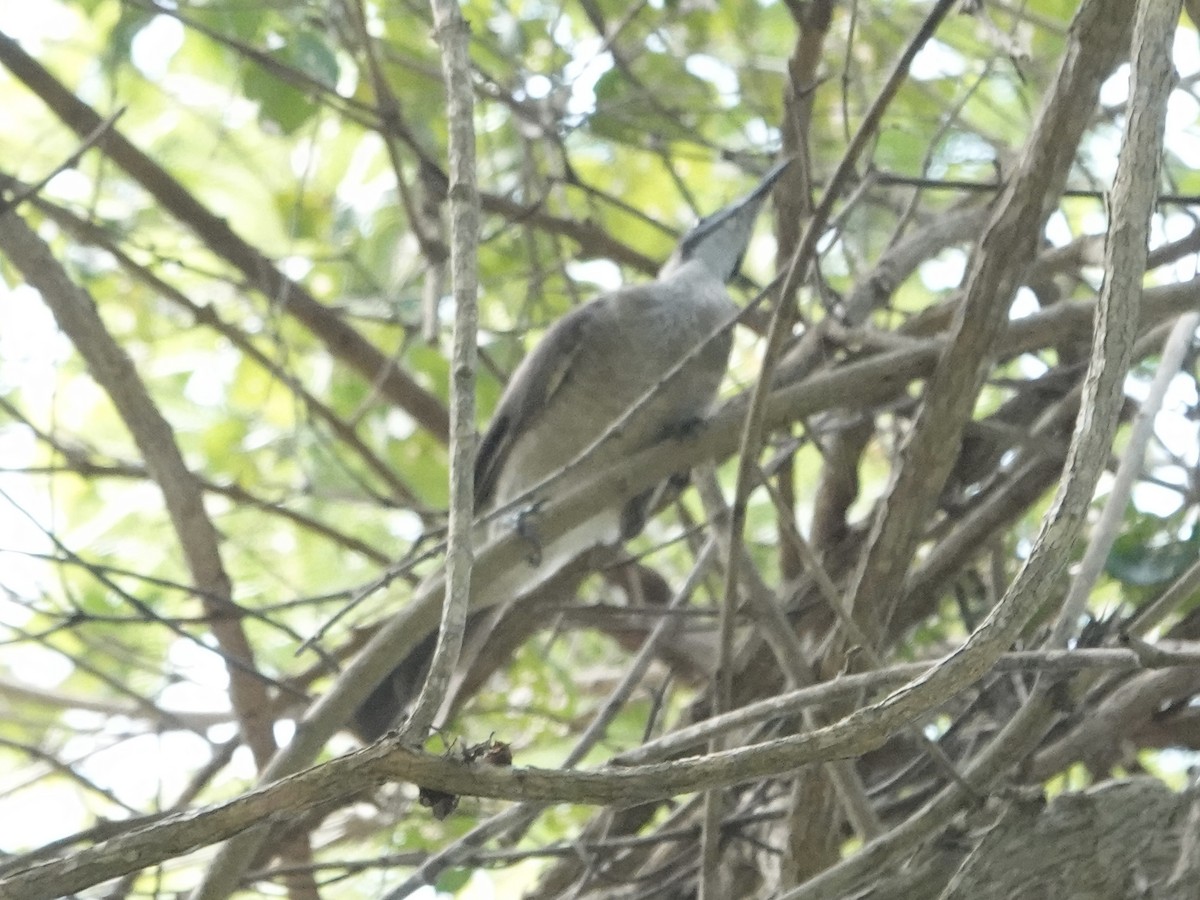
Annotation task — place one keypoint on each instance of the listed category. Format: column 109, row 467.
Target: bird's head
column 719, row 240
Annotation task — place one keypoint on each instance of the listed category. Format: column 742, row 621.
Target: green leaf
column 309, row 53
column 1135, row 563
column 451, row 881
column 635, row 113
column 283, row 105
column 1149, row 551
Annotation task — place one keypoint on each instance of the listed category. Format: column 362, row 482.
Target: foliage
column 317, row 135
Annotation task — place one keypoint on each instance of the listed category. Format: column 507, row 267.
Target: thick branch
column 1005, row 250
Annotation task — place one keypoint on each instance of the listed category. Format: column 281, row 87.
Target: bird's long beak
column 719, row 240
column 768, row 181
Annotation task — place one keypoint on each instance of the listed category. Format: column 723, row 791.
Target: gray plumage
column 596, row 363
column 587, row 371
column 598, row 360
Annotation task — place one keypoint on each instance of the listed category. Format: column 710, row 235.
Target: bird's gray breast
column 633, row 342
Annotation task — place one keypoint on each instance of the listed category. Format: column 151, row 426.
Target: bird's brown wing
column 532, row 386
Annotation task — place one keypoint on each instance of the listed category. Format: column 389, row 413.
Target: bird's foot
column 527, row 530
column 687, row 428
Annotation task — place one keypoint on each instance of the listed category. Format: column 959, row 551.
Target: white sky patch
column 31, row 346
column 203, row 682
column 538, row 86
column 153, row 47
column 296, row 267
column 936, row 60
column 1171, row 227
column 1024, row 304
column 17, row 537
column 71, row 185
column 715, row 72
column 759, row 134
column 1029, row 365
column 582, row 73
column 164, row 762
column 399, row 424
column 406, row 526
column 208, row 384
column 50, row 22
column 1178, row 433
column 603, row 273
column 945, row 271
column 1116, row 89
column 1183, row 113
column 29, row 813
column 1101, row 150
column 284, row 730
column 45, row 668
column 1058, row 230
column 960, row 148
column 1155, row 499
column 1185, row 52
column 31, row 350
column 363, row 192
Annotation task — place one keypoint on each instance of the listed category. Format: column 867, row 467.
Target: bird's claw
column 527, row 530
column 688, row 428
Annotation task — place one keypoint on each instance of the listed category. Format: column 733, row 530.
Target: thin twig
column 89, row 141
column 452, row 33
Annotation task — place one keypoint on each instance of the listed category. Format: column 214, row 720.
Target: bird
column 671, row 337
